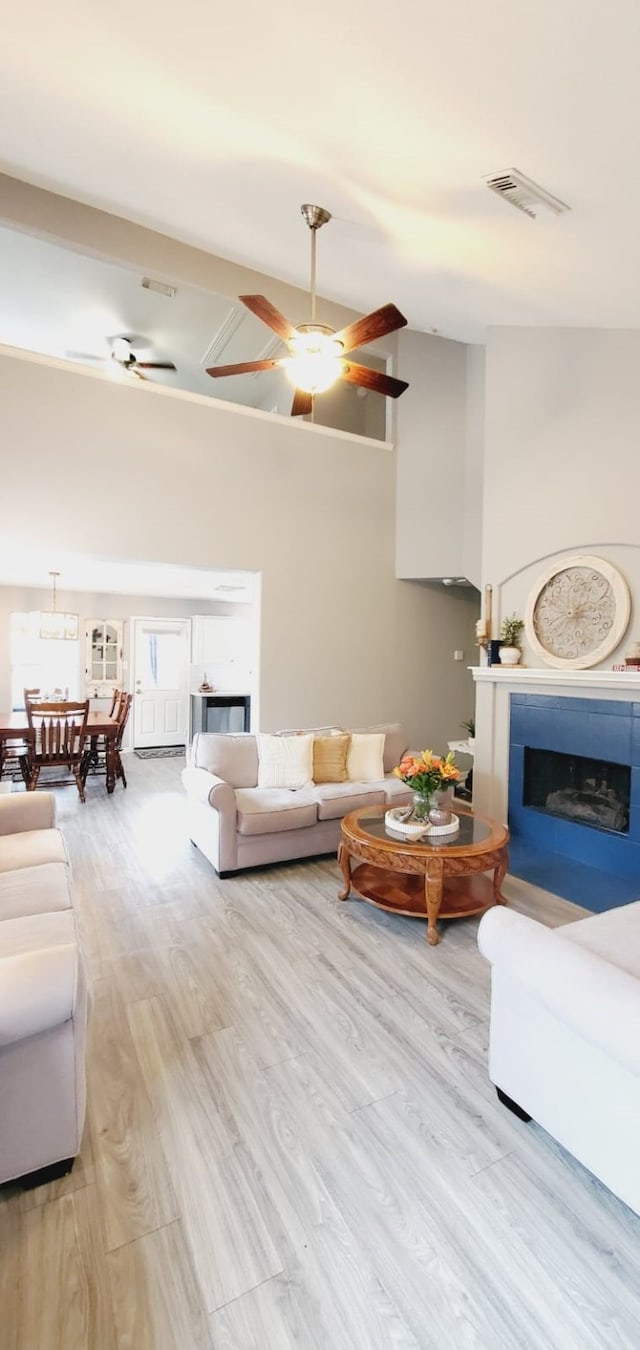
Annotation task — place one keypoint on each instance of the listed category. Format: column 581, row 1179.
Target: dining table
column 14, row 726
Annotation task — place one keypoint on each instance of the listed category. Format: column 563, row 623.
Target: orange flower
column 429, row 772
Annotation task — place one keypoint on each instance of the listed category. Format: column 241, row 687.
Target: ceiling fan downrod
column 316, row 217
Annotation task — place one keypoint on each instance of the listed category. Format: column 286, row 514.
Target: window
column 162, row 660
column 48, row 664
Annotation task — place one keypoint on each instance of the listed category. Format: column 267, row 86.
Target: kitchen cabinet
column 103, row 660
column 222, row 647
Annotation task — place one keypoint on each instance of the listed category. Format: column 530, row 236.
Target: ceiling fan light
column 314, row 364
column 121, row 349
column 313, row 373
column 309, row 341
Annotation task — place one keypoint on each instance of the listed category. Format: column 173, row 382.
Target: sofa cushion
column 364, row 758
column 35, row 932
column 397, row 792
column 337, row 799
column 330, row 758
column 31, row 848
column 269, row 810
column 396, row 742
column 285, row 761
column 34, row 890
column 232, row 756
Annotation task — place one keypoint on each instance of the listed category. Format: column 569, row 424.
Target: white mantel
column 523, row 676
column 494, row 686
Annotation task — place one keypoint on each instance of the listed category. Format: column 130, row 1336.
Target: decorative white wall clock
column 577, row 612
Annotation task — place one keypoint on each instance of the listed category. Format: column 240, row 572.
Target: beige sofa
column 236, row 824
column 43, row 996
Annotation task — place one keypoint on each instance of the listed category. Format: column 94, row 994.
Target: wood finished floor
column 291, row 1137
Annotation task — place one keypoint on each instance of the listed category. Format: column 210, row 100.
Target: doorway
column 161, row 681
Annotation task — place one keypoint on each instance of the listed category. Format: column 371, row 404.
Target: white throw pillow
column 284, row 761
column 364, row 760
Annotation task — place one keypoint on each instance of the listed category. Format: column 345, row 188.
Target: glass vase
column 422, row 805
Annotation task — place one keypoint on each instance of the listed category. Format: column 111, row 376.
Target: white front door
column 161, row 673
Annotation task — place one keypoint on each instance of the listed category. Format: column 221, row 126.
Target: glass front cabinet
column 103, row 664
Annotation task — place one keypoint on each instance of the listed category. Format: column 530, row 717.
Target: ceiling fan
column 317, row 354
column 122, row 353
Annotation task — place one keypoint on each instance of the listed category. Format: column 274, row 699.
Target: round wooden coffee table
column 444, row 878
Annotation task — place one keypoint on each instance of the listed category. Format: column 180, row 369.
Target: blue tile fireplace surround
column 574, row 811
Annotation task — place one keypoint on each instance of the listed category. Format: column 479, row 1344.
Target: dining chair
column 115, row 702
column 123, row 718
column 98, row 744
column 58, row 735
column 95, row 762
column 13, row 751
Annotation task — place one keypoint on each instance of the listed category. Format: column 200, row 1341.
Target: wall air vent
column 526, row 195
column 160, row 287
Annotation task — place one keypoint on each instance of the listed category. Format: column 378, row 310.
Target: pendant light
column 58, row 624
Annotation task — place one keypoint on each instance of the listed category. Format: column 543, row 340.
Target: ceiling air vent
column 522, row 192
column 160, row 287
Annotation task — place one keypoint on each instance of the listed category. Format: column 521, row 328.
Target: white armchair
column 564, row 1041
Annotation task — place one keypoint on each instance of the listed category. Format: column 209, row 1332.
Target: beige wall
column 136, row 472
column 562, row 461
column 472, row 523
column 431, row 429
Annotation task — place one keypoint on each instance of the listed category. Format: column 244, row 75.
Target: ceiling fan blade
column 373, row 379
column 153, row 365
column 370, row 326
column 302, row 403
column 263, row 309
column 243, row 368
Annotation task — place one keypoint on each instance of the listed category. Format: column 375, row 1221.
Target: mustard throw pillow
column 330, row 758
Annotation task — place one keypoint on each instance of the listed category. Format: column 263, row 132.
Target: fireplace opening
column 587, row 791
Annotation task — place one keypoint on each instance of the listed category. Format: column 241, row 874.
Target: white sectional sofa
column 565, row 1034
column 236, row 824
column 43, row 996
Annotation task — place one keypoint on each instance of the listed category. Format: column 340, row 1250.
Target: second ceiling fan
column 317, row 354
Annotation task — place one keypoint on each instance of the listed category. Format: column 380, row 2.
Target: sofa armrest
column 203, row 786
column 215, row 833
column 37, row 991
column 587, row 992
column 20, row 811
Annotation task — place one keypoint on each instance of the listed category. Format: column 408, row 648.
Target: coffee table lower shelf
column 404, row 893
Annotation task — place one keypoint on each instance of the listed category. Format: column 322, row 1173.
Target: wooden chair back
column 123, row 717
column 115, row 702
column 59, row 732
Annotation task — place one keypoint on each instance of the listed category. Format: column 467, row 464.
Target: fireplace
column 581, row 714
column 574, row 779
column 591, row 792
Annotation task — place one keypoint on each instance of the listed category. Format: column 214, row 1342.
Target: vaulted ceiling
column 213, row 123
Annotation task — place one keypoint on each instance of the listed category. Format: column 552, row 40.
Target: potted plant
column 510, row 631
column 469, row 725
